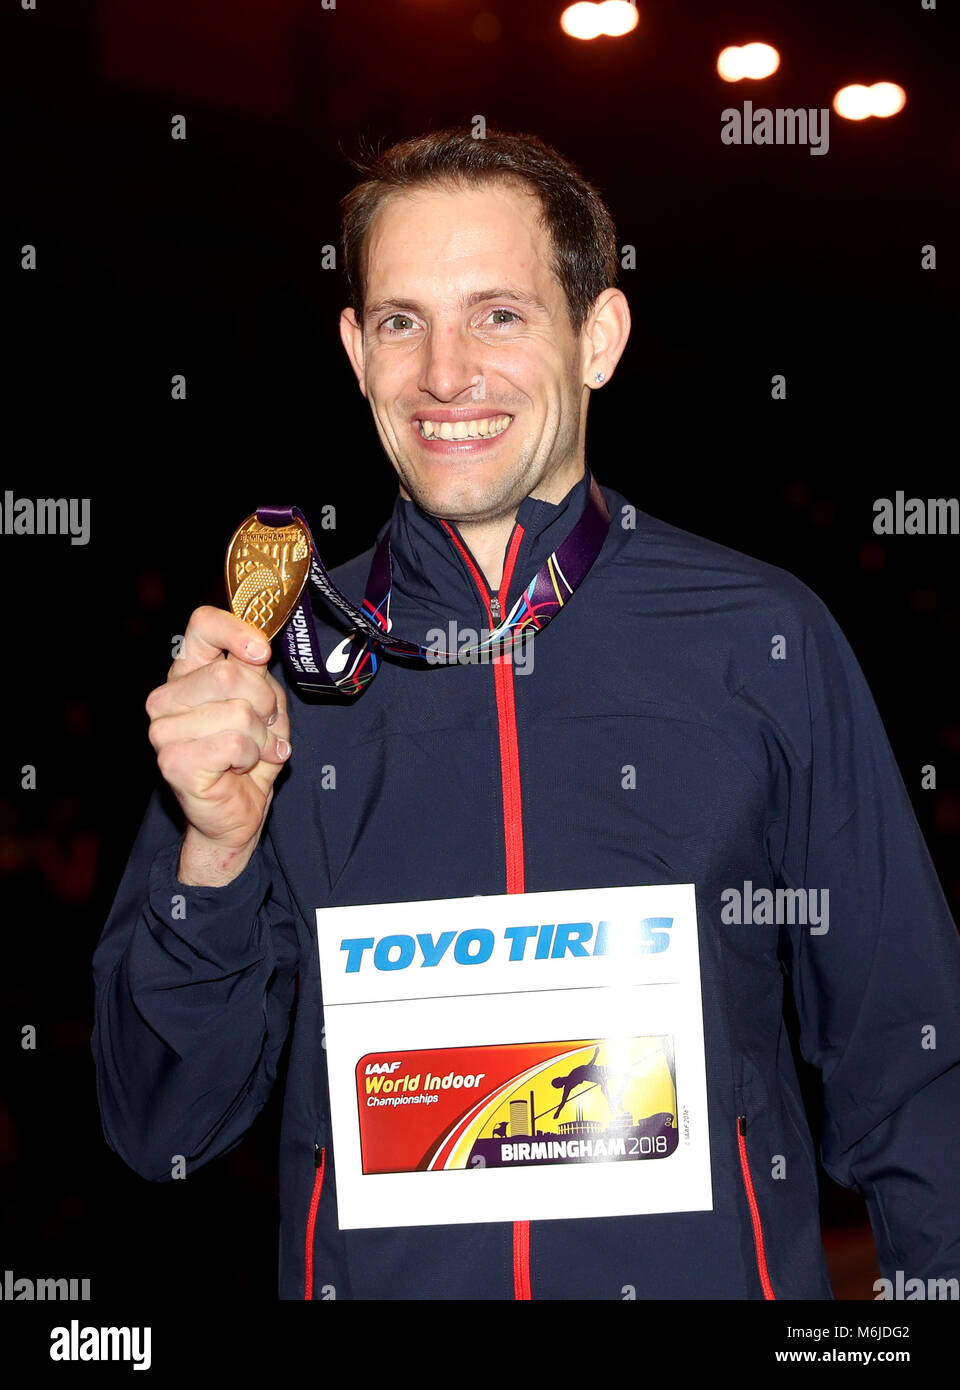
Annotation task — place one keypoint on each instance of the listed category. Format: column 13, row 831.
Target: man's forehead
column 459, row 240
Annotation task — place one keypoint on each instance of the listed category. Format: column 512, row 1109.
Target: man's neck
column 488, row 540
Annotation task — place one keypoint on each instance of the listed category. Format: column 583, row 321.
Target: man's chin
column 459, row 498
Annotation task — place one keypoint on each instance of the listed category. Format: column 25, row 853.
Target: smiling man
column 694, row 723
column 477, row 367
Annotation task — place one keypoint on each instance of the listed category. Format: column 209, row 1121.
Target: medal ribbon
column 354, row 663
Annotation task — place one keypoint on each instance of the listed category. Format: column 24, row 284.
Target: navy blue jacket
column 758, row 756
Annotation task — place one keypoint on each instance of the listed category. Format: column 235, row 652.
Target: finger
column 192, row 768
column 218, row 680
column 212, row 631
column 280, row 721
column 223, row 715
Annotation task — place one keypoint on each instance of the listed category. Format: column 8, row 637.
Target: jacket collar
column 430, row 576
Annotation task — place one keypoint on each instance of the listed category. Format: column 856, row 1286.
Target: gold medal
column 267, row 569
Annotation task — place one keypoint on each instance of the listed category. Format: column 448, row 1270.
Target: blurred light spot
column 946, row 813
column 76, row 718
column 853, row 103
column 872, row 557
column 151, row 590
column 754, row 60
column 486, row 27
column 8, row 1137
column 617, row 18
column 798, row 494
column 924, row 600
column 949, row 738
column 888, row 98
column 823, row 513
column 856, row 102
column 581, row 21
column 587, row 20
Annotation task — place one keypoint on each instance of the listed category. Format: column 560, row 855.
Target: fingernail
column 257, row 650
column 283, row 748
column 273, row 718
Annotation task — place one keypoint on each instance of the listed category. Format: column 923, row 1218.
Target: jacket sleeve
column 878, row 992
column 193, row 992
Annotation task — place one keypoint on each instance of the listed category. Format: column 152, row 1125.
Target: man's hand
column 221, row 733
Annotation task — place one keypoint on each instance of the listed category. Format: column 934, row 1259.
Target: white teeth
column 465, row 429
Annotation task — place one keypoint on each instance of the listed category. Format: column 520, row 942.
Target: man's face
column 467, row 355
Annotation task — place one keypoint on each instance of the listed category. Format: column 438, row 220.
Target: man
column 692, row 717
column 590, row 1074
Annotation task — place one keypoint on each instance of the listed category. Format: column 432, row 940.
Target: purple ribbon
column 355, row 661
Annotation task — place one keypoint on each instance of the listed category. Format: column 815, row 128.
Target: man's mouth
column 486, row 427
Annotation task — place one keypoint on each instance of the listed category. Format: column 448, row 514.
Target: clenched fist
column 221, row 733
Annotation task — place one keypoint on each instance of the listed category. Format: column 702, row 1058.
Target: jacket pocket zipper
column 754, row 1209
column 319, row 1163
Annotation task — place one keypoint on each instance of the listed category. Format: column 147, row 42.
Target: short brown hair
column 580, row 226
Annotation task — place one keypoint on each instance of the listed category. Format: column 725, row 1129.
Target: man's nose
column 451, row 365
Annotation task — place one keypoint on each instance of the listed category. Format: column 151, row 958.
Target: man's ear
column 351, row 335
column 605, row 335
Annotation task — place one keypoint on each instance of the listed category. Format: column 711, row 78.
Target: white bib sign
column 523, row 1057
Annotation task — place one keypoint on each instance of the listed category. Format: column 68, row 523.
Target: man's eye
column 405, row 320
column 509, row 312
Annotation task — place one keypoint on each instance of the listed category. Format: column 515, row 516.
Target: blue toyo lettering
column 355, row 948
column 484, row 940
column 404, row 944
column 624, row 937
column 433, row 951
column 397, row 952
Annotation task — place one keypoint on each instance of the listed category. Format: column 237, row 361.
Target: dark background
column 203, row 257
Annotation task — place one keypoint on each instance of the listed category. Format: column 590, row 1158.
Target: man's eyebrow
column 510, row 292
column 505, row 292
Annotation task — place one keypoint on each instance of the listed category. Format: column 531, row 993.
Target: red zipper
column 521, row 1259
column 754, row 1209
column 512, row 810
column 320, row 1162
